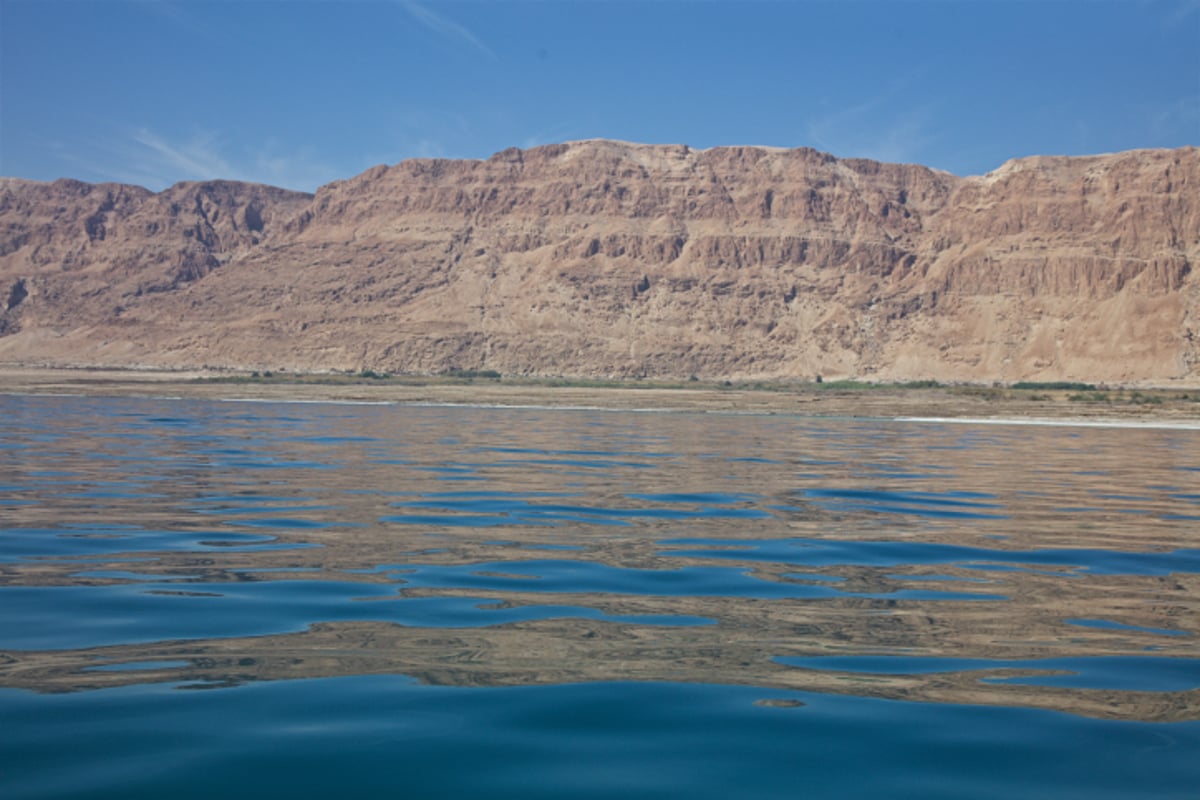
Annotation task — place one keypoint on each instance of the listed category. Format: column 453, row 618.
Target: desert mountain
column 603, row 258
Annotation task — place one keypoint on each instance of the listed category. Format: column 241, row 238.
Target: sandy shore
column 1162, row 407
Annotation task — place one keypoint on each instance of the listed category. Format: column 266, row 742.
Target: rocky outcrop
column 604, row 258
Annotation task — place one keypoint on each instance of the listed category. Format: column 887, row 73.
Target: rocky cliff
column 603, row 258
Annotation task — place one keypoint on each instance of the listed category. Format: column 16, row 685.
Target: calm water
column 203, row 599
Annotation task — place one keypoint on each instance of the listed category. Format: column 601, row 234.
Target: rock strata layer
column 609, row 259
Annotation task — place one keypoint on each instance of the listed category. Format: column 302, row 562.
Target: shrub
column 1138, row 398
column 1060, row 386
column 472, row 373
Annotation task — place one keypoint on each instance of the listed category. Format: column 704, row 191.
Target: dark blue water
column 206, row 599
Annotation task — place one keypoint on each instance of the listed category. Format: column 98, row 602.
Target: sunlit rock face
column 610, row 259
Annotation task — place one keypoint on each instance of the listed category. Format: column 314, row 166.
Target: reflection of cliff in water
column 1021, row 567
column 554, row 651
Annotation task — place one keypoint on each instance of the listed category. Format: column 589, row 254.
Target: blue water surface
column 204, row 599
column 388, row 736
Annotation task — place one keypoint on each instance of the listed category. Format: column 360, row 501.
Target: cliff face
column 80, row 264
column 611, row 259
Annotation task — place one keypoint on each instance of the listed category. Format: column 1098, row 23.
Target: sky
column 297, row 93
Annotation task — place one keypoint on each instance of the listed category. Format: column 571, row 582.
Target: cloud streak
column 146, row 157
column 196, row 159
column 1180, row 13
column 445, row 27
column 869, row 130
column 1180, row 117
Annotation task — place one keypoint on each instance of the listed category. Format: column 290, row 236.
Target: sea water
column 204, row 599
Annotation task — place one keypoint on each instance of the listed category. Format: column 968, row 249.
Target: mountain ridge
column 612, row 259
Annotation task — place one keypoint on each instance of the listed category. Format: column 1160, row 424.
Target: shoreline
column 1173, row 408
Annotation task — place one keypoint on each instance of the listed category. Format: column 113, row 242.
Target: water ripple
column 359, row 599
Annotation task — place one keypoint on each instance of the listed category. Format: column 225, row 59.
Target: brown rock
column 603, row 258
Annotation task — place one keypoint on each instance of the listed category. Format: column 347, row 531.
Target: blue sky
column 300, row 92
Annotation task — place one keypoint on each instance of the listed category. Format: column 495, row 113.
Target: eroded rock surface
column 604, row 258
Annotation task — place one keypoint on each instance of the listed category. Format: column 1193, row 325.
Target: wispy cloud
column 558, row 133
column 895, row 124
column 873, row 130
column 413, row 132
column 292, row 169
column 1179, row 12
column 445, row 27
column 1181, row 118
column 194, row 159
column 155, row 160
column 173, row 12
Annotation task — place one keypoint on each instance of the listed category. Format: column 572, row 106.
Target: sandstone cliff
column 604, row 258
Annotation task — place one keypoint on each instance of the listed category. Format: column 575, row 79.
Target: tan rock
column 604, row 258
